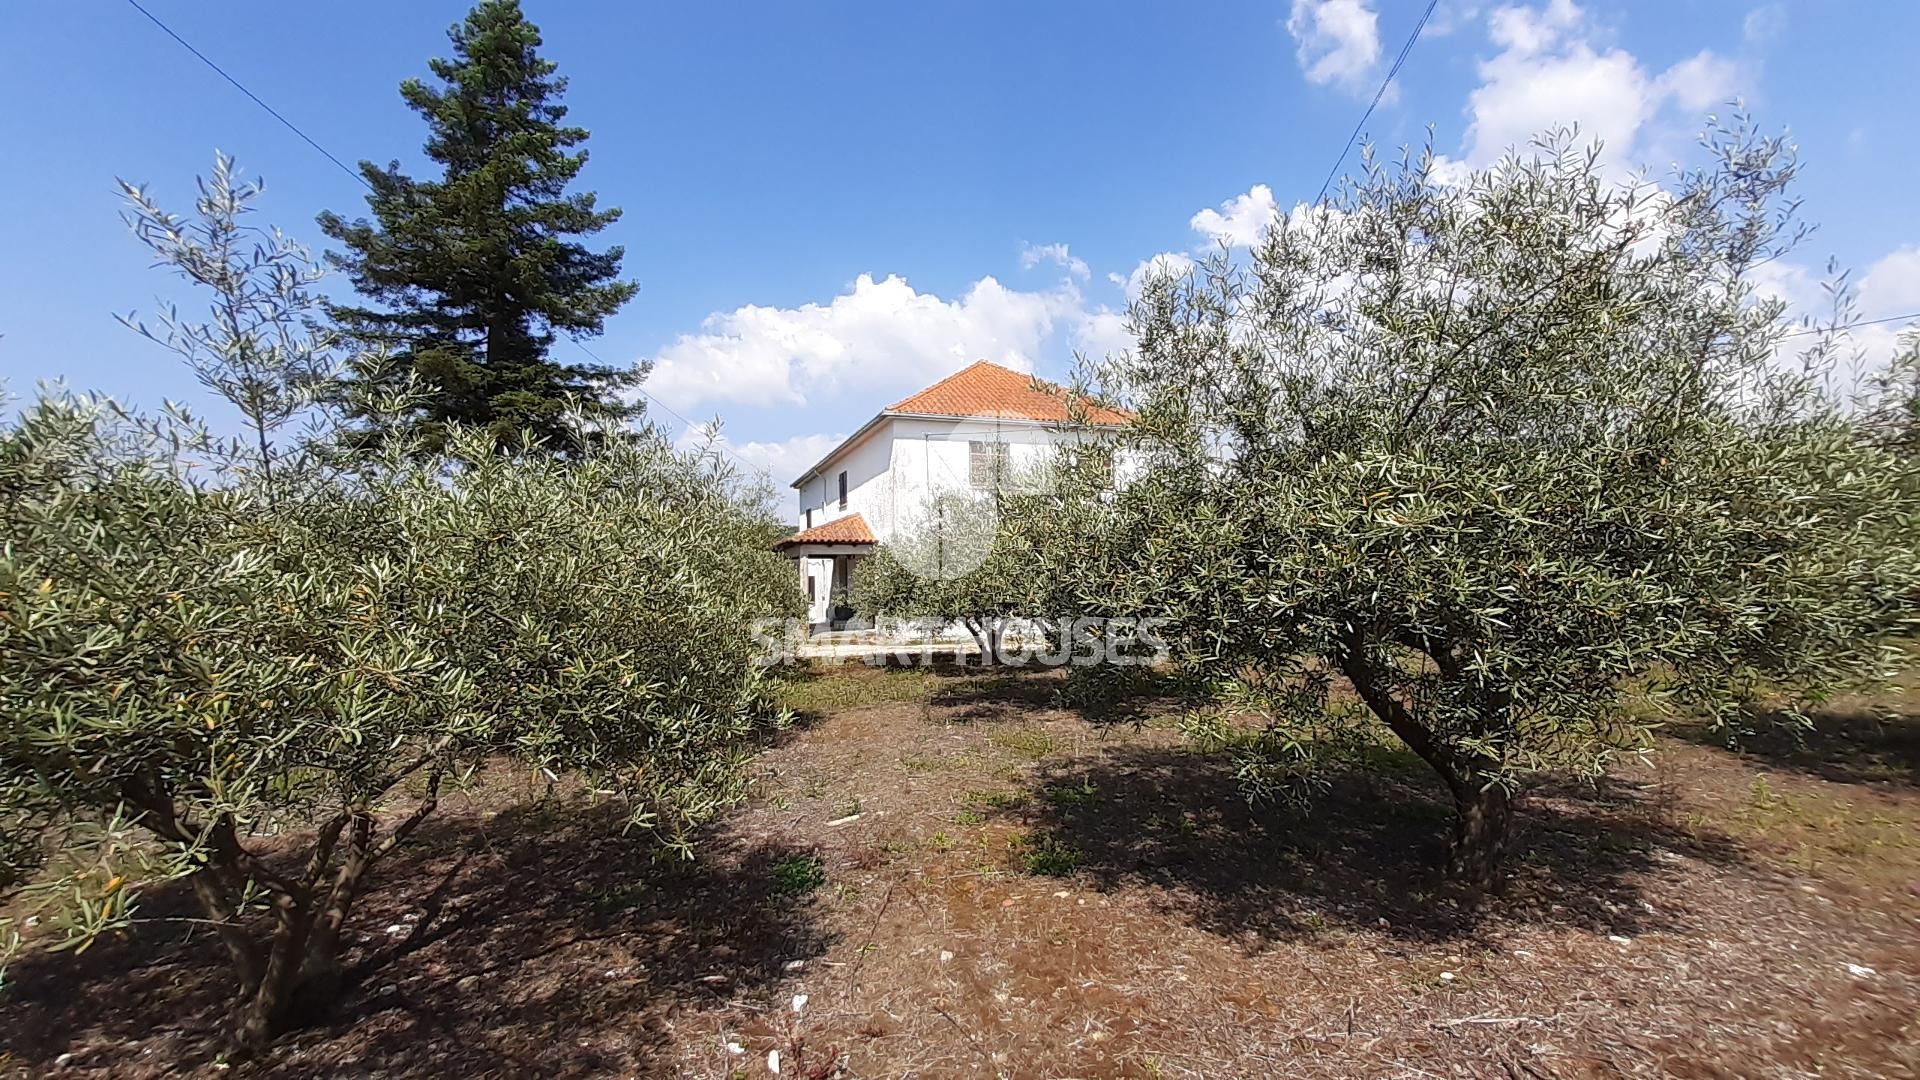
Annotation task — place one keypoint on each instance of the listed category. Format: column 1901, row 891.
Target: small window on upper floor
column 843, row 490
column 986, row 464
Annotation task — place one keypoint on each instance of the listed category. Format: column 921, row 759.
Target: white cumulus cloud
column 1240, row 221
column 1788, row 281
column 1554, row 69
column 877, row 337
column 1058, row 254
column 1889, row 288
column 1764, row 23
column 1171, row 263
column 1450, row 15
column 1701, row 82
column 1892, row 285
column 1531, row 30
column 1102, row 333
column 779, row 461
column 1336, row 41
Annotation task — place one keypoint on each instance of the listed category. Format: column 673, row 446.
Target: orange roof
column 984, row 389
column 851, row 529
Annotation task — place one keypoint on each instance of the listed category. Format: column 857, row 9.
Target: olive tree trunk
column 986, row 631
column 1483, row 807
column 295, row 976
column 1481, row 820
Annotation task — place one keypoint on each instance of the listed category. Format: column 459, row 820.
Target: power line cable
column 1398, row 61
column 271, row 111
column 324, row 152
column 1843, row 328
column 1377, row 95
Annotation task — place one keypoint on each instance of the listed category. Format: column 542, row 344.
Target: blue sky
column 831, row 205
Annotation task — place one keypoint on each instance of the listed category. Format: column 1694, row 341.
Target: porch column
column 806, row 622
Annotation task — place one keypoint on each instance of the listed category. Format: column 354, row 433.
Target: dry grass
column 819, row 691
column 962, row 881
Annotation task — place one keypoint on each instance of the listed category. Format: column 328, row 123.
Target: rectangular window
column 843, row 491
column 809, row 588
column 986, row 464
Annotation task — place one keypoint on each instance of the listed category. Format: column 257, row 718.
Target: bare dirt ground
column 943, row 875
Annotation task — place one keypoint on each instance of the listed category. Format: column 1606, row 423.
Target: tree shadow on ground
column 996, row 693
column 1130, row 696
column 1845, row 746
column 538, row 941
column 1367, row 854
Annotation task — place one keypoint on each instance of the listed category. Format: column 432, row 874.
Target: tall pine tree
column 472, row 275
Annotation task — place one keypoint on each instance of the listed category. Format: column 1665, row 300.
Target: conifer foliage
column 469, row 278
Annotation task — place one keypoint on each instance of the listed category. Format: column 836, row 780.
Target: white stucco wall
column 869, row 483
column 896, row 471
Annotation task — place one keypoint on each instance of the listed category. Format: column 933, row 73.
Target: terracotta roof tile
column 851, row 529
column 986, row 389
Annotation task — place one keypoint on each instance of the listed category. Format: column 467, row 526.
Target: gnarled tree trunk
column 295, row 976
column 986, row 630
column 1480, row 828
column 1483, row 808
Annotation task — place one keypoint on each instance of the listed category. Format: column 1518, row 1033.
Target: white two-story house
column 962, row 433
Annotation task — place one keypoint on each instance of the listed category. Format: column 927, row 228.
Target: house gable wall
column 867, row 465
column 895, row 473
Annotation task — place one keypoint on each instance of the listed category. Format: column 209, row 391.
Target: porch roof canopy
column 842, row 536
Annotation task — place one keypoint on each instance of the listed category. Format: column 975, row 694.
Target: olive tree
column 953, row 563
column 1892, row 404
column 262, row 345
column 266, row 697
column 987, row 560
column 254, row 667
column 1521, row 459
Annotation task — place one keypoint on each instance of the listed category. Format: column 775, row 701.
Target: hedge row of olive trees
column 256, row 668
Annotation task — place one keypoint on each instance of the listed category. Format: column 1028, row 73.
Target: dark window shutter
column 986, row 464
